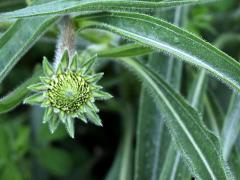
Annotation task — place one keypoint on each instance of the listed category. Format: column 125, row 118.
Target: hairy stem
column 66, row 40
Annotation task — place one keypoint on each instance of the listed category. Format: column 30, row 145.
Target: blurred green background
column 29, row 151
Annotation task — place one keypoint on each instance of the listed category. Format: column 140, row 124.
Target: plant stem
column 66, row 41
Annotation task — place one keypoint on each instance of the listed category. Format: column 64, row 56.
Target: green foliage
column 65, row 7
column 49, row 158
column 14, row 98
column 177, row 123
column 172, row 40
column 26, row 33
column 199, row 147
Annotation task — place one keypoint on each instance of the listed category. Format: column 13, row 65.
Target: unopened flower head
column 68, row 92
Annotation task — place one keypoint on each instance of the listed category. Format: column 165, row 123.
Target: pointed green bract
column 53, row 123
column 92, row 106
column 45, row 79
column 96, row 87
column 59, row 69
column 69, row 92
column 38, row 87
column 55, row 110
column 62, row 117
column 82, row 117
column 34, row 99
column 65, row 59
column 95, row 78
column 101, row 95
column 94, row 118
column 88, row 65
column 47, row 115
column 45, row 103
column 70, row 126
column 47, row 68
column 74, row 63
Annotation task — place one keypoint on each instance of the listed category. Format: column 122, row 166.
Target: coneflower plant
column 171, row 84
column 67, row 93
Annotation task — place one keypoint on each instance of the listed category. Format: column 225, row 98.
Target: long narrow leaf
column 18, row 39
column 173, row 166
column 231, row 127
column 199, row 147
column 197, row 91
column 152, row 135
column 65, row 7
column 150, row 141
column 214, row 114
column 122, row 165
column 173, row 160
column 166, row 37
column 14, row 98
column 129, row 50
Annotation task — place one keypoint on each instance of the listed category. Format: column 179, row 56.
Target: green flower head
column 68, row 92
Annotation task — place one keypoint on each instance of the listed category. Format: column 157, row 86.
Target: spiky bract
column 68, row 92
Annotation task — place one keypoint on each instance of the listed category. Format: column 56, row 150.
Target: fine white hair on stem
column 66, row 40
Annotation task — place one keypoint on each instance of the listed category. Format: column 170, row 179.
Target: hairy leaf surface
column 199, row 147
column 14, row 98
column 65, row 6
column 18, row 39
column 231, row 126
column 163, row 36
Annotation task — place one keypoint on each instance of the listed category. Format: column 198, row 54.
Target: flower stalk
column 66, row 40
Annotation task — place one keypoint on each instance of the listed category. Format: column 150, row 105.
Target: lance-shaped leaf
column 173, row 164
column 231, row 126
column 214, row 114
column 66, row 7
column 197, row 145
column 15, row 97
column 128, row 50
column 18, row 39
column 121, row 168
column 197, row 91
column 163, row 36
column 152, row 136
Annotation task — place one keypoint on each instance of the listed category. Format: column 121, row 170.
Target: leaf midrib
column 200, row 153
column 156, row 21
column 5, row 69
column 93, row 3
column 186, row 55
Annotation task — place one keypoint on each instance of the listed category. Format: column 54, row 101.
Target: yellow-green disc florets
column 68, row 92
